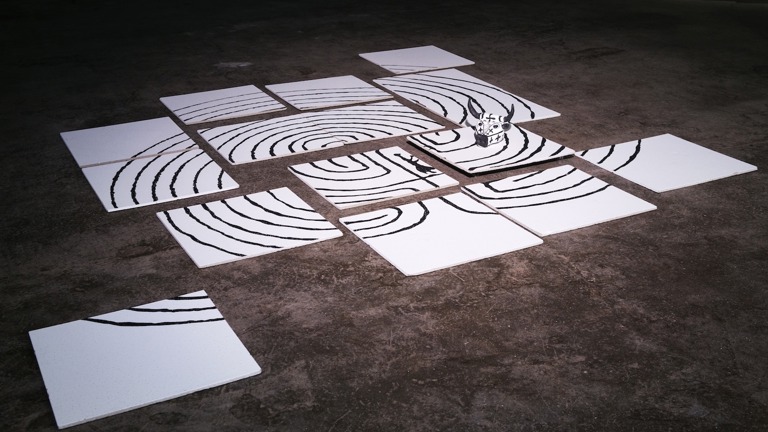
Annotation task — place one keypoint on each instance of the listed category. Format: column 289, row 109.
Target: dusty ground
column 655, row 322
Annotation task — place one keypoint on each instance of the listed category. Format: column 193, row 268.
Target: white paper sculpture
column 558, row 199
column 370, row 177
column 519, row 147
column 665, row 162
column 327, row 92
column 221, row 104
column 151, row 180
column 438, row 233
column 448, row 93
column 126, row 141
column 283, row 136
column 417, row 59
column 112, row 363
column 237, row 228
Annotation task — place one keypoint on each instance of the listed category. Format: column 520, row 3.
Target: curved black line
column 457, row 207
column 172, row 185
column 142, row 309
column 557, row 201
column 425, row 213
column 198, row 241
column 610, row 152
column 140, row 324
column 632, row 157
column 274, row 212
column 196, row 178
column 259, row 94
column 491, row 187
column 266, row 222
column 138, row 176
column 229, row 236
column 258, row 233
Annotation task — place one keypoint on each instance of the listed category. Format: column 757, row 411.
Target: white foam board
column 521, row 147
column 126, row 141
column 112, row 363
column 305, row 132
column 438, row 233
column 369, row 177
column 558, row 199
column 243, row 227
column 152, row 180
column 221, row 104
column 448, row 92
column 665, row 162
column 416, row 59
column 327, row 92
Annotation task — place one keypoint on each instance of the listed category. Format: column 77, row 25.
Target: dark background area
column 651, row 323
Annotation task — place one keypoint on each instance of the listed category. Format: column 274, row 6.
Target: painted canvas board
column 520, row 147
column 221, row 104
column 369, row 177
column 327, row 92
column 438, row 233
column 416, row 59
column 243, row 227
column 126, row 141
column 119, row 361
column 152, row 180
column 558, row 199
column 665, row 162
column 448, row 92
column 305, row 132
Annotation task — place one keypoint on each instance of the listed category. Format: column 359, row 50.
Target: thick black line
column 198, row 241
column 138, row 176
column 259, row 94
column 457, row 207
column 229, row 236
column 141, row 309
column 557, row 201
column 262, row 221
column 172, row 185
column 425, row 213
column 490, row 185
column 610, row 152
column 140, row 324
column 632, row 157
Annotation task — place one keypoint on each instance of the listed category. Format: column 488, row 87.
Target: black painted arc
column 307, row 209
column 538, row 194
column 431, row 144
column 208, row 109
column 422, row 219
column 228, row 113
column 488, row 86
column 139, row 175
column 197, row 240
column 274, row 212
column 631, row 157
column 143, row 309
column 172, row 184
column 196, row 177
column 215, row 216
column 430, row 95
column 180, row 134
column 194, row 217
column 607, row 155
column 190, row 297
column 369, row 198
column 398, row 214
column 491, row 185
column 373, row 188
column 153, row 324
column 266, row 222
column 558, row 151
column 466, row 210
column 260, row 95
column 538, row 150
column 558, row 200
column 115, row 179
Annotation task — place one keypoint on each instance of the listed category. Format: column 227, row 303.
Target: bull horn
column 476, row 114
column 508, row 118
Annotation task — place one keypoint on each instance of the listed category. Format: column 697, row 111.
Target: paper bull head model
column 490, row 128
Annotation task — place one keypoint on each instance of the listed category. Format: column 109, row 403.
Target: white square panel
column 221, row 104
column 520, row 147
column 448, row 92
column 558, row 199
column 162, row 178
column 112, row 363
column 243, row 227
column 126, row 141
column 327, row 92
column 438, row 233
column 665, row 162
column 305, row 132
column 369, row 177
column 417, row 59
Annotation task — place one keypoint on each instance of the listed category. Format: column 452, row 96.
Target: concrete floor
column 654, row 322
